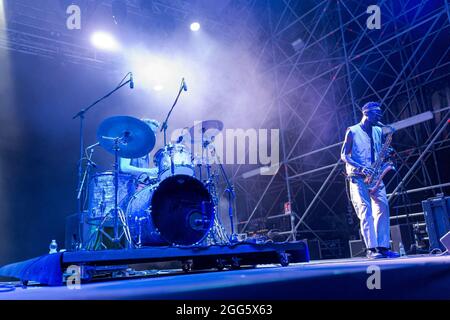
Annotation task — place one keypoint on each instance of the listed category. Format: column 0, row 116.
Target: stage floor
column 415, row 277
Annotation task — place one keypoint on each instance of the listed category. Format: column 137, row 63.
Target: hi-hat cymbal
column 133, row 137
column 210, row 128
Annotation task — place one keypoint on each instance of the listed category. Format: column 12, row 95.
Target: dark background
column 39, row 148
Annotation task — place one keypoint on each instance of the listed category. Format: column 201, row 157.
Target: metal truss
column 320, row 89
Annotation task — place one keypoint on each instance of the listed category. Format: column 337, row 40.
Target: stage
column 414, row 277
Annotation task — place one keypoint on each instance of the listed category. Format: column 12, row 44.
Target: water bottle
column 402, row 249
column 53, row 247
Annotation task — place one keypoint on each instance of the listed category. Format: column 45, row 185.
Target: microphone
column 380, row 124
column 183, row 84
column 131, row 81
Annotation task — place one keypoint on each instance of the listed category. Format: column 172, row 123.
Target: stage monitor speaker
column 357, row 248
column 72, row 236
column 437, row 219
column 314, row 249
column 402, row 233
column 445, row 240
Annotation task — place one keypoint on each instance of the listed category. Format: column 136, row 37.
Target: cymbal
column 134, row 137
column 209, row 127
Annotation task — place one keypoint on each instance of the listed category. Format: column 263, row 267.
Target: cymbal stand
column 78, row 242
column 217, row 235
column 231, row 195
column 118, row 213
column 90, row 164
column 202, row 159
column 205, row 145
column 209, row 182
column 82, row 115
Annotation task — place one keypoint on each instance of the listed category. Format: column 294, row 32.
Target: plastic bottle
column 401, row 249
column 53, row 247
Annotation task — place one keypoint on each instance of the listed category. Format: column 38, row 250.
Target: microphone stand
column 82, row 114
column 164, row 125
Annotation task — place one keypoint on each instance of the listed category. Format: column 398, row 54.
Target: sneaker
column 373, row 255
column 388, row 253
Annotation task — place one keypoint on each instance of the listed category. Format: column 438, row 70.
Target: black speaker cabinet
column 437, row 218
column 314, row 249
column 357, row 248
column 73, row 229
column 445, row 240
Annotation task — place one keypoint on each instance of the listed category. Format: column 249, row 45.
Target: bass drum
column 178, row 211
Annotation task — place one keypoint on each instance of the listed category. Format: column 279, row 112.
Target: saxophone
column 381, row 166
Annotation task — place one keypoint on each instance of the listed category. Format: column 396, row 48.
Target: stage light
column 195, row 26
column 104, row 41
column 2, row 15
column 158, row 87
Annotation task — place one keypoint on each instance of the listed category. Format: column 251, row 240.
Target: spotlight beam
column 104, row 41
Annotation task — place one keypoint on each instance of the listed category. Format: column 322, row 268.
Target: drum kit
column 178, row 208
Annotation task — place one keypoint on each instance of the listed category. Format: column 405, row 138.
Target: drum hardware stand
column 211, row 188
column 218, row 235
column 118, row 212
column 86, row 175
column 139, row 242
column 172, row 164
column 231, row 195
column 126, row 231
column 82, row 114
column 205, row 145
column 200, row 171
column 90, row 164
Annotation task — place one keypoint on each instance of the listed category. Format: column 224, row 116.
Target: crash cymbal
column 134, row 137
column 210, row 128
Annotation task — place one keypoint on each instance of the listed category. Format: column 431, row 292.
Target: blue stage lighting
column 195, row 26
column 104, row 41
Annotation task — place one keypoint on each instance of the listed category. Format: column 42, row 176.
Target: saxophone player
column 362, row 145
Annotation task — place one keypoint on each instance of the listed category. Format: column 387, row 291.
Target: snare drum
column 176, row 154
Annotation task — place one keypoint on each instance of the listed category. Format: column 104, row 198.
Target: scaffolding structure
column 321, row 84
column 325, row 63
